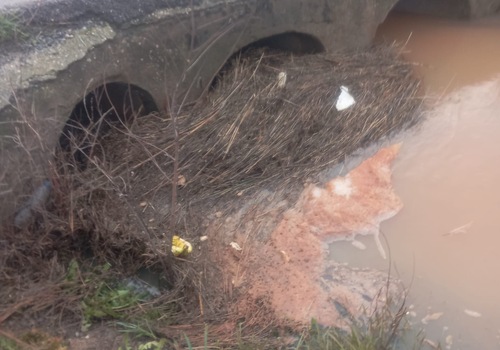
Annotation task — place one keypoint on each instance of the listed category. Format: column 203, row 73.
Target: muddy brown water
column 445, row 243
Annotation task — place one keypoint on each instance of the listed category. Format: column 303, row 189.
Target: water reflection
column 445, row 242
column 448, row 53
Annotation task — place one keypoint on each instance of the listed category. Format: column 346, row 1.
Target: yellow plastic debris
column 181, row 247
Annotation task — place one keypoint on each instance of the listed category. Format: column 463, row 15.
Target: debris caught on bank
column 250, row 133
column 432, row 344
column 281, row 79
column 432, row 317
column 181, row 247
column 472, row 313
column 459, row 230
column 235, row 246
column 285, row 256
column 345, row 99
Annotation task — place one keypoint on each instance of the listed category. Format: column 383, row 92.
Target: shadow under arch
column 292, row 42
column 111, row 104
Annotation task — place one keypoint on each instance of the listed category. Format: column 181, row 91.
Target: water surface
column 445, row 242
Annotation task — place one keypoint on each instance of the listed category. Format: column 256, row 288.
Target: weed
column 126, row 345
column 381, row 331
column 104, row 298
column 153, row 345
column 33, row 339
column 73, row 271
column 11, row 27
column 137, row 330
column 8, row 344
column 42, row 340
column 150, row 345
column 108, row 302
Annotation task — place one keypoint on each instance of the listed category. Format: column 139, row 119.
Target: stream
column 445, row 242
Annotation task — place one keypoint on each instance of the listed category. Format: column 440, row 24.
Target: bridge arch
column 294, row 42
column 114, row 103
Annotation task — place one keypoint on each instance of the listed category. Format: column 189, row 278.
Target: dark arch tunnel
column 115, row 103
column 293, row 42
column 110, row 105
column 290, row 42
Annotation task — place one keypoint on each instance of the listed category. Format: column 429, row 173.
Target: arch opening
column 290, row 42
column 110, row 105
column 293, row 42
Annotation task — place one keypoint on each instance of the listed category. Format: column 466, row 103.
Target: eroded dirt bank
column 292, row 271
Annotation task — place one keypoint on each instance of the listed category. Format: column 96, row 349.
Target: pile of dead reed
column 254, row 130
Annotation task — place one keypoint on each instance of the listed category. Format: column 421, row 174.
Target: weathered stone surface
column 161, row 50
column 157, row 45
column 35, row 66
column 163, row 47
column 450, row 8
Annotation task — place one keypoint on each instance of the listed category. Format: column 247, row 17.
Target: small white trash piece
column 281, row 80
column 472, row 313
column 345, row 99
column 235, row 246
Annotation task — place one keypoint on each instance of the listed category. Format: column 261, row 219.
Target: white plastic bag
column 345, row 99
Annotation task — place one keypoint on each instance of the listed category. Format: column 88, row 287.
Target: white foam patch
column 343, row 187
column 316, row 192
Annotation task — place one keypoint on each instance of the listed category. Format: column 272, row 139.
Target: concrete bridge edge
column 157, row 54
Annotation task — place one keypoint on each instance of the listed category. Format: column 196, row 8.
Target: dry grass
column 248, row 133
column 253, row 132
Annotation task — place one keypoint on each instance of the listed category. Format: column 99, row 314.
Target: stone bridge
column 145, row 52
column 449, row 8
column 63, row 56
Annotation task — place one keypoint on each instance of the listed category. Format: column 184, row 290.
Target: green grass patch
column 33, row 339
column 108, row 302
column 105, row 298
column 11, row 27
column 382, row 331
column 8, row 344
column 149, row 345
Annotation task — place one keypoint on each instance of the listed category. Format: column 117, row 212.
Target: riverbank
column 220, row 174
